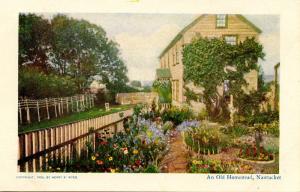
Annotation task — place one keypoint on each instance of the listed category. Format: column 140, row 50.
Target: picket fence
column 52, row 107
column 64, row 142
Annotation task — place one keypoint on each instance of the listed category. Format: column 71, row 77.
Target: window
column 221, row 21
column 177, row 60
column 175, row 90
column 231, row 39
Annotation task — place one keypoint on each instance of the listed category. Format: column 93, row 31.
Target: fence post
column 77, row 103
column 55, row 108
column 62, row 106
column 38, row 110
column 67, row 102
column 20, row 112
column 27, row 111
column 71, row 104
column 47, row 108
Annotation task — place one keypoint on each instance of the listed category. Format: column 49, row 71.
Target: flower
column 103, row 143
column 126, row 151
column 115, row 146
column 93, row 158
column 135, row 151
column 138, row 162
column 58, row 168
column 112, row 170
column 110, row 158
column 99, row 162
column 97, row 154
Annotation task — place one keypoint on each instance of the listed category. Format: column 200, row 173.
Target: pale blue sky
column 142, row 37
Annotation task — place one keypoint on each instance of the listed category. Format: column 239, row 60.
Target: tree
column 136, row 83
column 35, row 38
column 208, row 63
column 74, row 48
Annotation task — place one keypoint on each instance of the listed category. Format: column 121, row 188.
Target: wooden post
column 27, row 111
column 59, row 108
column 38, row 110
column 77, row 103
column 20, row 113
column 62, row 106
column 33, row 151
column 55, row 108
column 67, row 102
column 47, row 108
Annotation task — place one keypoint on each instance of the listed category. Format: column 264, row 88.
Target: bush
column 202, row 114
column 37, row 85
column 262, row 117
column 167, row 126
column 237, row 130
column 177, row 115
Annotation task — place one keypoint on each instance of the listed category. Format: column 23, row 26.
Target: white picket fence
column 60, row 106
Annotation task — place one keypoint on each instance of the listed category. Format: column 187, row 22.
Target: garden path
column 176, row 160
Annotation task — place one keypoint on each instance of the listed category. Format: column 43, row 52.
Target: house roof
column 163, row 73
column 179, row 35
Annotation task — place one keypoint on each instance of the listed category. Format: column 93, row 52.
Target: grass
column 92, row 113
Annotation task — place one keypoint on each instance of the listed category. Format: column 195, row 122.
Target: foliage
column 249, row 104
column 35, row 36
column 71, row 47
column 36, row 84
column 237, row 130
column 177, row 115
column 262, row 117
column 218, row 166
column 167, row 126
column 164, row 90
column 204, row 139
column 136, row 83
column 208, row 63
column 136, row 150
column 202, row 115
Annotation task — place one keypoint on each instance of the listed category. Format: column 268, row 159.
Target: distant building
column 96, row 86
column 232, row 28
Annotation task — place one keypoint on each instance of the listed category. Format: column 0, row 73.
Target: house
column 233, row 28
column 95, row 87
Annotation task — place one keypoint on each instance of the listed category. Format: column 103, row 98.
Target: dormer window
column 221, row 21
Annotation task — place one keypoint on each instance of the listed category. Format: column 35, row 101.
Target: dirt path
column 175, row 161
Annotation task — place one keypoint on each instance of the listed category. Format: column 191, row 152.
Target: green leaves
column 71, row 47
column 206, row 63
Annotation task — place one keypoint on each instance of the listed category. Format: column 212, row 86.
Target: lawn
column 92, row 113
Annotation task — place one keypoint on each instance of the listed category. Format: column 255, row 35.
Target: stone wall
column 137, row 97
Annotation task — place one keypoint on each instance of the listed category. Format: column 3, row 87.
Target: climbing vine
column 209, row 62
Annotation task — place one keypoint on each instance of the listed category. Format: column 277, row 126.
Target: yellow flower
column 195, row 162
column 93, row 158
column 110, row 158
column 58, row 168
column 135, row 151
column 112, row 170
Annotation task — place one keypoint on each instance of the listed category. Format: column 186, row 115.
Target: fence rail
column 36, row 110
column 64, row 142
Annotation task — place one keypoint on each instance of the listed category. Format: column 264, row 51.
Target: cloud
column 140, row 52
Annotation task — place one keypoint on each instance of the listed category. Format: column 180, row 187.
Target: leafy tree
column 209, row 62
column 73, row 48
column 136, row 83
column 35, row 37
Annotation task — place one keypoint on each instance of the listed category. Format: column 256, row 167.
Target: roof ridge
column 179, row 35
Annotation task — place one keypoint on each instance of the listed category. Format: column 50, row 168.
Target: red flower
column 103, row 143
column 138, row 162
column 99, row 162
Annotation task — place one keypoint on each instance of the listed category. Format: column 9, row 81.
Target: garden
column 175, row 140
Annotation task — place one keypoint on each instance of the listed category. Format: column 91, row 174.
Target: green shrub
column 177, row 115
column 167, row 126
column 237, row 130
column 37, row 85
column 202, row 114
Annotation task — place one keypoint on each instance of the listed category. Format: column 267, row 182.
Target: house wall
column 205, row 27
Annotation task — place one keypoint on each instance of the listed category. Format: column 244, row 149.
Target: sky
column 142, row 37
